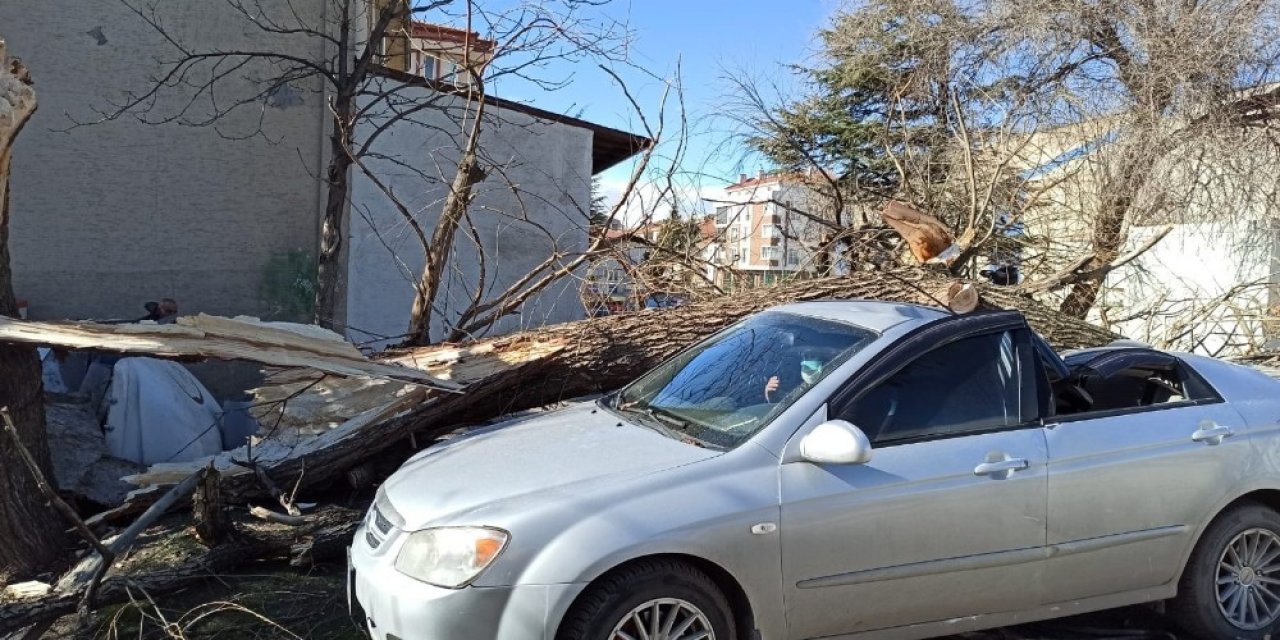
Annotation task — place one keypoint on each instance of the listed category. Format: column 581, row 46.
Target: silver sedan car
column 845, row 469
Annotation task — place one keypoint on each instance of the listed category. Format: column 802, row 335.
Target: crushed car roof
column 875, row 315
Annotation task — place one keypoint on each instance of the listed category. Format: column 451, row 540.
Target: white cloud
column 653, row 200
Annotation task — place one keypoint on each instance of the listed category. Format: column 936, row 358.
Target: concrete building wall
column 532, row 204
column 108, row 216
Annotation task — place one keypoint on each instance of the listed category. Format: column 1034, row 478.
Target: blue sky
column 706, row 39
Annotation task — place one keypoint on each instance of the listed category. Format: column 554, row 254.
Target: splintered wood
column 206, row 336
column 309, row 419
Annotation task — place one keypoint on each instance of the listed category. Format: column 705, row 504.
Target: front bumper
column 397, row 607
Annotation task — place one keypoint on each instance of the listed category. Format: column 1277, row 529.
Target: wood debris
column 205, row 336
column 27, row 590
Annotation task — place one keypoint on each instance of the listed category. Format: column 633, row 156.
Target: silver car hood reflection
column 475, row 479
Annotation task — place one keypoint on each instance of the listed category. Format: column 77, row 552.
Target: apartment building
column 766, row 230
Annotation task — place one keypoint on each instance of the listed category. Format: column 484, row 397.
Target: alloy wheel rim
column 1248, row 580
column 665, row 619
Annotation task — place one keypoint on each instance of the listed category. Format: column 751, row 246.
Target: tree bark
column 30, row 530
column 1108, row 225
column 209, row 510
column 328, row 265
column 350, row 75
column 329, row 268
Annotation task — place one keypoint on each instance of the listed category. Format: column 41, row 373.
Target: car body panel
column 1128, row 492
column 864, row 548
column 492, row 472
column 399, row 605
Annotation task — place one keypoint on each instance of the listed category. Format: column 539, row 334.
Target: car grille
column 379, row 528
column 381, row 523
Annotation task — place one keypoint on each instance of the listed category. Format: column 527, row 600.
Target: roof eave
column 609, row 147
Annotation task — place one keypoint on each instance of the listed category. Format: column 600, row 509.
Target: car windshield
column 723, row 390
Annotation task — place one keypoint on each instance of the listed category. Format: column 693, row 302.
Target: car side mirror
column 836, row 442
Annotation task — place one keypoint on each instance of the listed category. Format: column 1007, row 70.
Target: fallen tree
column 317, row 427
column 375, row 416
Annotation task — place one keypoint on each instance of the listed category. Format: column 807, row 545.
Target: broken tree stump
column 209, row 510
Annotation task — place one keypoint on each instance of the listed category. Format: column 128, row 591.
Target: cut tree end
column 962, row 297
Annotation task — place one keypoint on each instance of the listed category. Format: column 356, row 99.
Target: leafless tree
column 1079, row 120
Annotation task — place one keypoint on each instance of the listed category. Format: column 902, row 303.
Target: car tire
column 1208, row 612
column 628, row 596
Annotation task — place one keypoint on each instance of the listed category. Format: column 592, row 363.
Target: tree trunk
column 1108, row 225
column 564, row 361
column 1107, row 241
column 329, row 268
column 30, row 530
column 209, row 511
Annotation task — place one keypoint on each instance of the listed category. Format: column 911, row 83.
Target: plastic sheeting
column 158, row 412
column 51, row 372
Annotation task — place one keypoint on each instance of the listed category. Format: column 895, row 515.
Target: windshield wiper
column 660, row 420
column 669, row 417
column 681, row 424
column 666, row 422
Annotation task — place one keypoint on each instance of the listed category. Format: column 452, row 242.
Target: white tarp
column 50, row 371
column 159, row 412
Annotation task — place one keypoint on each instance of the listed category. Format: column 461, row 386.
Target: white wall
column 533, row 203
column 1205, row 286
column 106, row 217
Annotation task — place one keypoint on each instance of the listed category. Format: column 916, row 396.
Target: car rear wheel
column 1231, row 586
column 655, row 599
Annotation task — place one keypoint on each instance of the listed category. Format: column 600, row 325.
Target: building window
column 722, row 216
column 430, row 67
column 793, row 257
column 771, row 231
column 768, row 253
column 734, row 233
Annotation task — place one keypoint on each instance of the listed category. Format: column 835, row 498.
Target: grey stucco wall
column 108, row 216
column 530, row 206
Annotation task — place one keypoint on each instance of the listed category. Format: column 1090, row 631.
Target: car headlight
column 450, row 557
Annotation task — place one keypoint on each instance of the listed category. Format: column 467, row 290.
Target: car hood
column 477, row 478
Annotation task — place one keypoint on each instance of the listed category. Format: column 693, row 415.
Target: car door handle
column 1212, row 434
column 1000, row 466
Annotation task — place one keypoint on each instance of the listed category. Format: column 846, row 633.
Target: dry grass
column 276, row 602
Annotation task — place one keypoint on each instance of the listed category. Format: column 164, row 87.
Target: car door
column 1129, row 488
column 947, row 519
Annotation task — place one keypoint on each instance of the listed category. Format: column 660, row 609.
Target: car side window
column 972, row 384
column 1129, row 380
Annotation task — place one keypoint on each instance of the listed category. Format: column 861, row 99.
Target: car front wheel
column 655, row 599
column 1231, row 586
